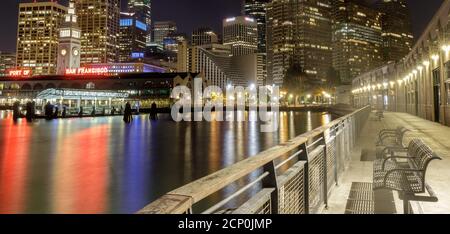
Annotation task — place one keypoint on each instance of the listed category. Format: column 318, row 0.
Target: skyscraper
column 69, row 48
column 7, row 62
column 142, row 10
column 397, row 32
column 37, row 36
column 241, row 33
column 99, row 24
column 298, row 32
column 257, row 10
column 162, row 29
column 204, row 36
column 357, row 41
column 132, row 38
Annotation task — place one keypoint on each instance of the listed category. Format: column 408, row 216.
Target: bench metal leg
column 406, row 206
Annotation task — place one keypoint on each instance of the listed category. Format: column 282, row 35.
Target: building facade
column 144, row 88
column 419, row 83
column 219, row 66
column 132, row 38
column 172, row 40
column 256, row 9
column 114, row 69
column 198, row 59
column 99, row 24
column 38, row 35
column 7, row 63
column 161, row 29
column 397, row 32
column 204, row 36
column 142, row 11
column 298, row 32
column 357, row 41
column 241, row 33
column 69, row 47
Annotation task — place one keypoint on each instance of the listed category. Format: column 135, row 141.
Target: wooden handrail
column 180, row 200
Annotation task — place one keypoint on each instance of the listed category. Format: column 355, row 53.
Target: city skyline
column 298, row 107
column 164, row 10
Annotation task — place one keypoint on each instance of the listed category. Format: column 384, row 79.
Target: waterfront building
column 198, row 59
column 241, row 33
column 7, row 63
column 219, row 66
column 397, row 31
column 419, row 83
column 37, row 36
column 204, row 36
column 99, row 24
column 218, row 49
column 142, row 11
column 114, row 69
column 91, row 89
column 256, row 9
column 357, row 40
column 132, row 38
column 298, row 32
column 69, row 47
column 162, row 29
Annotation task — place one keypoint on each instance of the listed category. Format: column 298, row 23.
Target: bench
column 379, row 114
column 406, row 174
column 392, row 138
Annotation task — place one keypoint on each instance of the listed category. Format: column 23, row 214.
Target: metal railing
column 295, row 177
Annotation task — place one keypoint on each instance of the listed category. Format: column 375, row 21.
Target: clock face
column 76, row 52
column 63, row 52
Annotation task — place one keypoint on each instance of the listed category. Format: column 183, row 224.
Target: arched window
column 50, row 86
column 38, row 86
column 90, row 85
column 15, row 86
column 26, row 86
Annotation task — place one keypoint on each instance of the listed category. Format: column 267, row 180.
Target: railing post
column 352, row 132
column 336, row 156
column 304, row 157
column 342, row 144
column 325, row 170
column 270, row 181
column 347, row 139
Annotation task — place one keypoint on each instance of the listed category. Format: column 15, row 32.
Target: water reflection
column 104, row 166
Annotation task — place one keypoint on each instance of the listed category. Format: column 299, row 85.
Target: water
column 101, row 165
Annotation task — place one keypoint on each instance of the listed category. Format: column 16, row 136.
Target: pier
column 325, row 171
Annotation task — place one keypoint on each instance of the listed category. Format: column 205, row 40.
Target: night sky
column 190, row 14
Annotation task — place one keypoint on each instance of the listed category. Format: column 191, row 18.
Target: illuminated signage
column 230, row 19
column 136, row 55
column 141, row 25
column 126, row 22
column 249, row 19
column 20, row 73
column 87, row 71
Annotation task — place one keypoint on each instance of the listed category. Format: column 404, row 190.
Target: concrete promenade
column 345, row 198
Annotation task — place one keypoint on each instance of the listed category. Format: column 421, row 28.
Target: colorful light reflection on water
column 101, row 165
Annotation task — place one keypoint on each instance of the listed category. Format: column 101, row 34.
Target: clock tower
column 69, row 42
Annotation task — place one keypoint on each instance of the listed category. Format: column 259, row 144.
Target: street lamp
column 435, row 57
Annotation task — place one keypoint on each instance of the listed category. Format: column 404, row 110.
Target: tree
column 333, row 78
column 294, row 79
